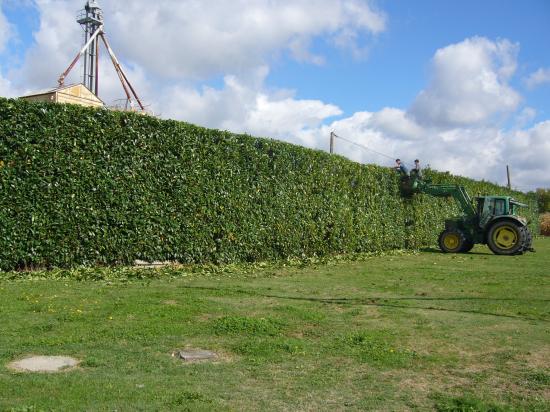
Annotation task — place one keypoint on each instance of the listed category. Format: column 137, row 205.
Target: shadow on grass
column 384, row 302
column 439, row 252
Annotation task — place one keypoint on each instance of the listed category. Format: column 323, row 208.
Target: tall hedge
column 82, row 186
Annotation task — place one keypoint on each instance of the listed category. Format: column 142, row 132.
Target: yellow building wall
column 67, row 98
column 78, row 94
column 40, row 98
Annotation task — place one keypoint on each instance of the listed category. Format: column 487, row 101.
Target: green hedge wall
column 84, row 187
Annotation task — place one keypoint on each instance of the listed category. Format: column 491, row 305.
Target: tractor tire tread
column 462, row 241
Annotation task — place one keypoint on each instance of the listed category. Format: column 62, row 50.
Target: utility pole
column 508, row 174
column 332, row 136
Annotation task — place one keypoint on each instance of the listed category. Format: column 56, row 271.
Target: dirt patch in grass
column 421, row 384
column 206, row 317
column 501, row 381
column 477, row 368
column 539, row 359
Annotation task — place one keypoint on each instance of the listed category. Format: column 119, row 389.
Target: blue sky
column 397, row 66
column 393, row 75
column 26, row 20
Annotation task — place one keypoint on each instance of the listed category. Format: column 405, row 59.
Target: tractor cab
column 492, row 207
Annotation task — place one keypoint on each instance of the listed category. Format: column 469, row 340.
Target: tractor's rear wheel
column 528, row 244
column 506, row 238
column 452, row 241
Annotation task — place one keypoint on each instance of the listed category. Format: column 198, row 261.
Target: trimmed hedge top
column 83, row 186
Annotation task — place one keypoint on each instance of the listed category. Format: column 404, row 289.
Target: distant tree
column 543, row 199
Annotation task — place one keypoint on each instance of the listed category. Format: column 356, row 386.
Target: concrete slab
column 196, row 355
column 141, row 264
column 49, row 364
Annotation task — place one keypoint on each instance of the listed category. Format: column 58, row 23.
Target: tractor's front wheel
column 506, row 238
column 452, row 241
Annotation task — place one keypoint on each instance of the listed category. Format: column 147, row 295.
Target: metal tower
column 91, row 19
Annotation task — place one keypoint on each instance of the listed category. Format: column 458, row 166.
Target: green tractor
column 493, row 220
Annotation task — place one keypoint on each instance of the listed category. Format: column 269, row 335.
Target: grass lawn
column 425, row 331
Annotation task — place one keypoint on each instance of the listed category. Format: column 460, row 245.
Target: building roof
column 48, row 91
column 60, row 89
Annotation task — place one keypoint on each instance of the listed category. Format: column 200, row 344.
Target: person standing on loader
column 401, row 168
column 417, row 170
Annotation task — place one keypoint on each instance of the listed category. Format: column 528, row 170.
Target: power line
column 364, row 147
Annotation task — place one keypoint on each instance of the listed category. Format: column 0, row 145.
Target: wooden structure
column 72, row 94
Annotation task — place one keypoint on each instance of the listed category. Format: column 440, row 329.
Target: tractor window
column 480, row 203
column 500, row 207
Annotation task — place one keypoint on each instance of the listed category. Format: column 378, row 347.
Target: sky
column 462, row 85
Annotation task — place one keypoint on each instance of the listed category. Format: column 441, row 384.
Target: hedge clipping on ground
column 85, row 187
column 545, row 224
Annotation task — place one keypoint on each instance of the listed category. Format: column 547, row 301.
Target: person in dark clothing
column 401, row 168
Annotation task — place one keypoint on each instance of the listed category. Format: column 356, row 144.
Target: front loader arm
column 458, row 193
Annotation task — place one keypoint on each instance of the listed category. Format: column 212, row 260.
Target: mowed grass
column 425, row 331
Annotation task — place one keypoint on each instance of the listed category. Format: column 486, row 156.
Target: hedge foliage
column 82, row 186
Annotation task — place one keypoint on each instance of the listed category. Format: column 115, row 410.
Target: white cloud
column 6, row 30
column 110, row 88
column 245, row 106
column 525, row 117
column 177, row 42
column 56, row 44
column 541, row 76
column 299, row 47
column 527, row 152
column 469, row 84
column 6, row 34
column 192, row 39
column 471, row 152
column 288, row 116
column 396, row 124
column 6, row 88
